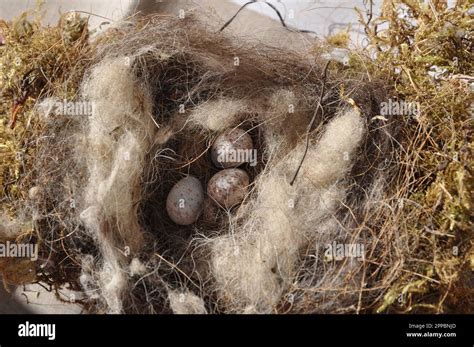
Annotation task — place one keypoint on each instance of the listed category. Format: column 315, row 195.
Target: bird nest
column 349, row 207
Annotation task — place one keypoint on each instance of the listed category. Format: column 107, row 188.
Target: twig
column 311, row 123
column 174, row 266
column 370, row 13
column 282, row 21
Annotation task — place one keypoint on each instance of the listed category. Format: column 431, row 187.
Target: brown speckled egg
column 227, row 146
column 185, row 201
column 228, row 187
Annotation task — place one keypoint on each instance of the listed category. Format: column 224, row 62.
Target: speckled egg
column 185, row 201
column 228, row 187
column 230, row 148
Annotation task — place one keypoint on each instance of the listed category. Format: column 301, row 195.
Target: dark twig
column 282, row 21
column 236, row 14
column 311, row 123
column 25, row 89
column 370, row 11
column 370, row 15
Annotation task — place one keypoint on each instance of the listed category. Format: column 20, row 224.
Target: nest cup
column 163, row 89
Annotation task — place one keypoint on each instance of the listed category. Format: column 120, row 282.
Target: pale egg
column 232, row 148
column 185, row 201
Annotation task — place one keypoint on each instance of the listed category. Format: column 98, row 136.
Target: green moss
column 35, row 62
column 440, row 142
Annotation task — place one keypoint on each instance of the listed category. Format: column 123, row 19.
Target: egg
column 34, row 193
column 185, row 201
column 231, row 148
column 228, row 187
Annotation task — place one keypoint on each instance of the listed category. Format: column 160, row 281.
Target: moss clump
column 35, row 62
column 426, row 56
column 340, row 39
